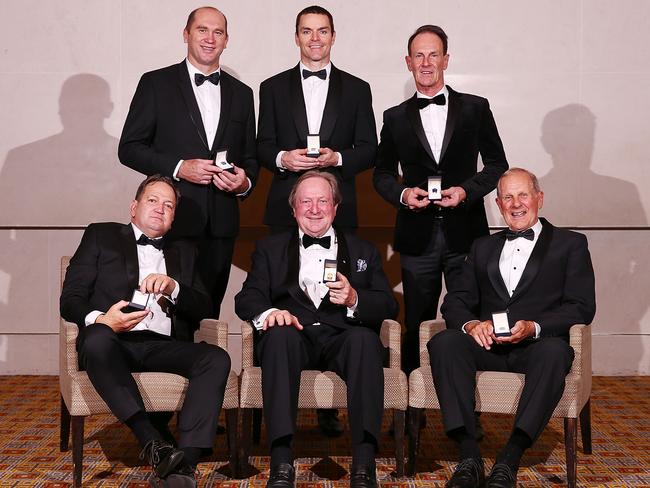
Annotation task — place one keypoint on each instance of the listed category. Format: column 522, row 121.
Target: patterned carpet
column 29, row 446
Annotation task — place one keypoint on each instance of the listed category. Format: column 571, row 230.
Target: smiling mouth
column 521, row 213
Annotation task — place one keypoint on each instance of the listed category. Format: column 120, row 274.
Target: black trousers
column 213, row 265
column 456, row 357
column 422, row 283
column 110, row 358
column 355, row 354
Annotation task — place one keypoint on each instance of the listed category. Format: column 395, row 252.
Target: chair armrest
column 68, row 359
column 428, row 329
column 213, row 332
column 580, row 341
column 390, row 335
column 247, row 345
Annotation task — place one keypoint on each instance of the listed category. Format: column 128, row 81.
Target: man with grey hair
column 318, row 297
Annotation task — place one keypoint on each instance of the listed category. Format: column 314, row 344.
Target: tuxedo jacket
column 105, row 270
column 164, row 125
column 273, row 283
column 470, row 131
column 347, row 127
column 556, row 289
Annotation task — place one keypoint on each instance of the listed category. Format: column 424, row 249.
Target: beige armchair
column 499, row 392
column 325, row 390
column 161, row 392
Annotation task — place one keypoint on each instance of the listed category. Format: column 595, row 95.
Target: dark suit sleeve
column 255, row 295
column 248, row 161
column 385, row 177
column 376, row 302
column 193, row 302
column 267, row 137
column 492, row 154
column 463, row 303
column 136, row 143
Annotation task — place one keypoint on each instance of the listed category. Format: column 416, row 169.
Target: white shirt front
column 514, row 257
column 208, row 98
column 434, row 121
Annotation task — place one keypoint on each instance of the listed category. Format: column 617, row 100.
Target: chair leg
column 232, row 416
column 398, row 427
column 244, row 440
column 571, row 447
column 64, row 434
column 257, row 425
column 414, row 438
column 77, row 449
column 585, row 427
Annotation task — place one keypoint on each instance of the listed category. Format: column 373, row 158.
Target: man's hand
column 327, row 158
column 120, row 321
column 158, row 283
column 482, row 332
column 452, row 197
column 199, row 171
column 297, row 160
column 341, row 292
column 231, row 183
column 281, row 318
column 416, row 198
column 523, row 329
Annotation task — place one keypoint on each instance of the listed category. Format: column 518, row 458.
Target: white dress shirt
column 208, row 98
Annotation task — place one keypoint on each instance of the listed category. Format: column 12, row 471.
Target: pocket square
column 361, row 265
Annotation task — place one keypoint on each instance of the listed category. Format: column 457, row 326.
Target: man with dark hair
column 538, row 281
column 314, row 98
column 111, row 262
column 436, row 137
column 309, row 322
column 181, row 117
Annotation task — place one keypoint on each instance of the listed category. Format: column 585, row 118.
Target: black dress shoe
column 501, row 476
column 469, row 473
column 162, row 457
column 281, row 476
column 328, row 421
column 363, row 477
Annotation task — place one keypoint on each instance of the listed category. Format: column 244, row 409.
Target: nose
column 314, row 35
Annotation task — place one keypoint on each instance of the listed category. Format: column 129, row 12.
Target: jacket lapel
column 293, row 273
column 130, row 253
column 192, row 107
column 342, row 266
column 413, row 114
column 535, row 260
column 226, row 103
column 298, row 104
column 452, row 116
column 494, row 273
column 332, row 106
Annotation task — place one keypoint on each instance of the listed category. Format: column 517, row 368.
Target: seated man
column 111, row 262
column 542, row 278
column 309, row 320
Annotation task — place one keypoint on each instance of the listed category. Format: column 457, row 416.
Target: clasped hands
column 483, row 333
column 297, row 159
column 417, row 199
column 204, row 172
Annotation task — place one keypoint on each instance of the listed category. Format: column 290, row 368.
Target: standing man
column 542, row 278
column 181, row 116
column 314, row 97
column 436, row 137
column 111, row 262
column 308, row 321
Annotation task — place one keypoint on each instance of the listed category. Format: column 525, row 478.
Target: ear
column 540, row 201
column 185, row 35
column 297, row 39
column 132, row 207
column 445, row 61
column 333, row 38
column 409, row 64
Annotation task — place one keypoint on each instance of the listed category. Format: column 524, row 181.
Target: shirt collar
column 444, row 91
column 330, row 232
column 327, row 68
column 138, row 233
column 192, row 70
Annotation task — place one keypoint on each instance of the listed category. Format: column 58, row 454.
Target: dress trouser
column 213, row 265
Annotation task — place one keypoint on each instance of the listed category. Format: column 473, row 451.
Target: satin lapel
column 224, row 117
column 332, row 105
column 293, row 272
column 342, row 266
column 535, row 260
column 413, row 114
column 494, row 273
column 192, row 107
column 298, row 104
column 172, row 262
column 130, row 253
column 452, row 117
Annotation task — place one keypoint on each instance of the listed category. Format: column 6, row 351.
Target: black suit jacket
column 273, row 282
column 556, row 289
column 164, row 126
column 104, row 270
column 348, row 127
column 470, row 130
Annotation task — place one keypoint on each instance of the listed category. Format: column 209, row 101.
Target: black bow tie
column 526, row 234
column 199, row 79
column 437, row 100
column 143, row 240
column 321, row 73
column 308, row 240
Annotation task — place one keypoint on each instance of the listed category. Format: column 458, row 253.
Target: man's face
column 315, row 39
column 427, row 62
column 206, row 39
column 314, row 207
column 153, row 213
column 518, row 201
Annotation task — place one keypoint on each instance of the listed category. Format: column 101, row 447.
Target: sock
column 281, row 451
column 363, row 454
column 511, row 454
column 192, row 455
column 467, row 444
column 143, row 428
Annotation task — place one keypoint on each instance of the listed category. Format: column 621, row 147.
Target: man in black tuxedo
column 314, row 97
column 111, row 262
column 543, row 278
column 181, row 116
column 437, row 133
column 308, row 323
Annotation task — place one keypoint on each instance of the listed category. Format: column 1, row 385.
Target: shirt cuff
column 176, row 170
column 538, row 330
column 278, row 160
column 340, row 163
column 401, row 197
column 468, row 322
column 353, row 309
column 92, row 317
column 250, row 185
column 258, row 321
column 175, row 292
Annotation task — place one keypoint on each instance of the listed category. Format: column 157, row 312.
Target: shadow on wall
column 576, row 195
